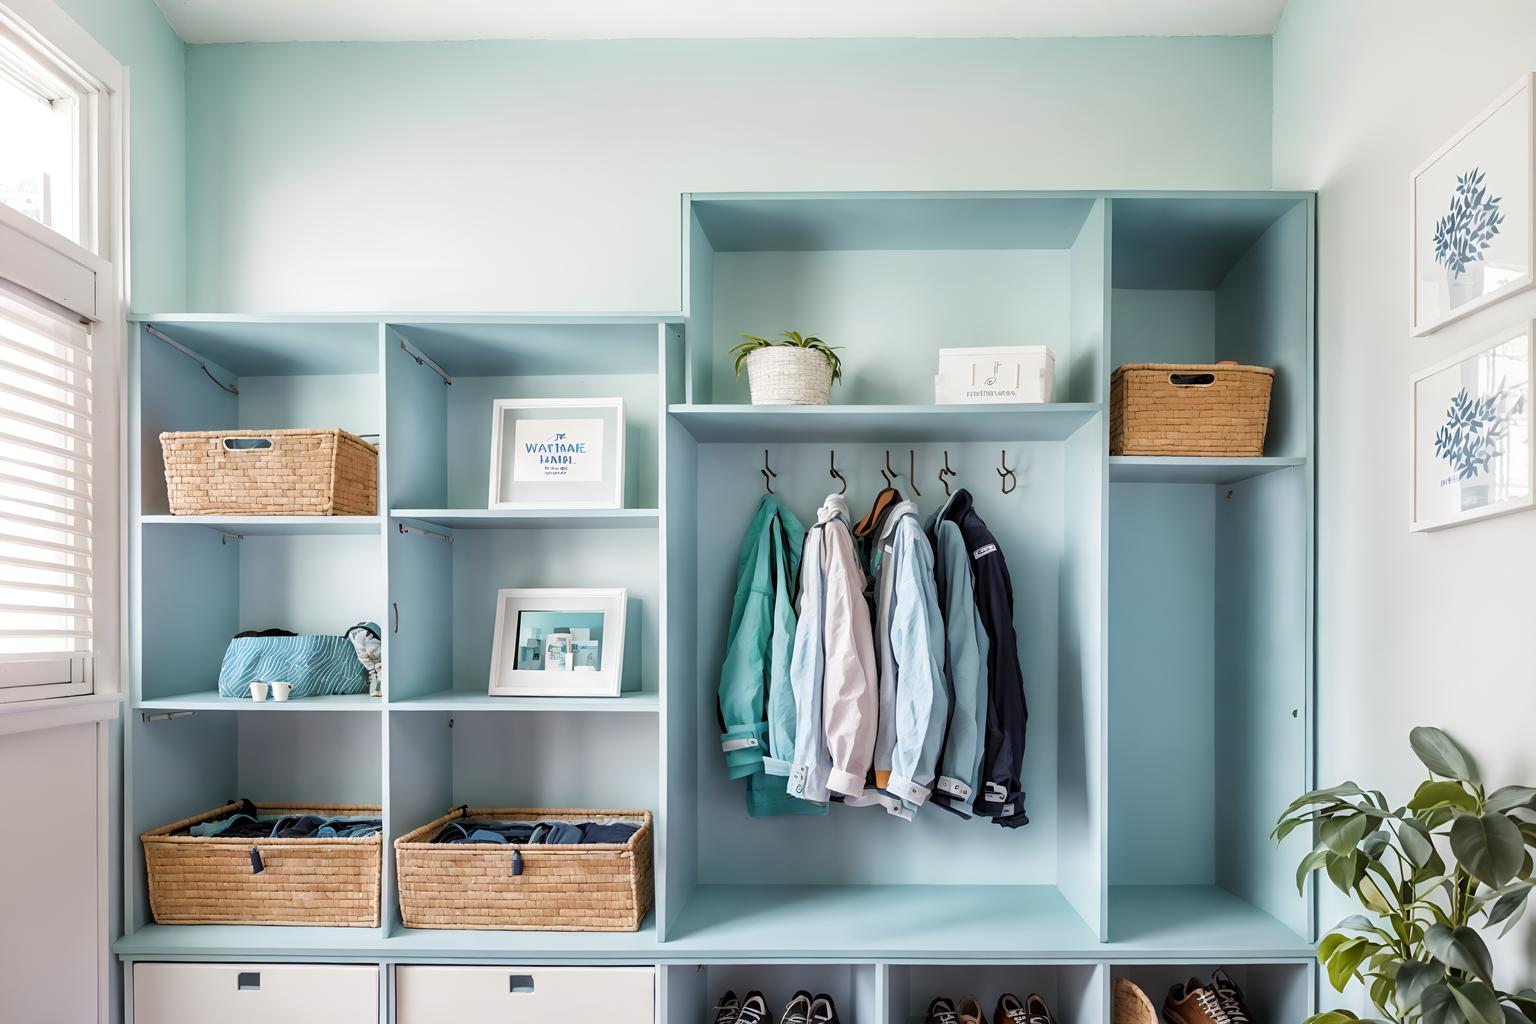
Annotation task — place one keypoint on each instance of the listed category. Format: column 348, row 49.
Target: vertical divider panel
column 699, row 307
column 389, row 897
column 671, row 380
column 416, row 408
column 1087, row 377
column 677, row 864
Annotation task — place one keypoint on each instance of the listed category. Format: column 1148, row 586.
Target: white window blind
column 45, row 503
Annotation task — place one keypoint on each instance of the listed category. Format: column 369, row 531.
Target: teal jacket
column 757, row 708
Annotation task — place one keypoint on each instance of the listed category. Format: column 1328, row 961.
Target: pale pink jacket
column 850, row 693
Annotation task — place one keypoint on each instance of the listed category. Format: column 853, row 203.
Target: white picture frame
column 1500, row 146
column 576, row 461
column 1454, row 476
column 525, row 617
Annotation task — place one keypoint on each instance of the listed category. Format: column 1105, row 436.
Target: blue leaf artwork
column 1474, row 431
column 1469, row 226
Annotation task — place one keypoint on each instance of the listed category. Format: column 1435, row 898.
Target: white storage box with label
column 1008, row 373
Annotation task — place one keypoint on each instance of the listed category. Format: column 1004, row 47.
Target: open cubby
column 1164, row 606
column 1274, row 991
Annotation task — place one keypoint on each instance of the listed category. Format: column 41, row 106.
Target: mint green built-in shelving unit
column 1164, row 606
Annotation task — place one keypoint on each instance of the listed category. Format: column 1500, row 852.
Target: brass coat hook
column 1010, row 477
column 768, row 473
column 946, row 472
column 912, row 472
column 842, row 481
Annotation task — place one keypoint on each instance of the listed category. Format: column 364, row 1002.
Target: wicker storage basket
column 592, row 887
column 1189, row 409
column 270, row 473
column 1131, row 1005
column 210, row 880
column 788, row 375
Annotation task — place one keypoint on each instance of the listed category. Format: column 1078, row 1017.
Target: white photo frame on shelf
column 559, row 643
column 557, row 453
column 1472, row 455
column 1473, row 214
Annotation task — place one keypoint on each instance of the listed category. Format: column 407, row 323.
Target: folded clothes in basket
column 286, row 826
column 535, row 833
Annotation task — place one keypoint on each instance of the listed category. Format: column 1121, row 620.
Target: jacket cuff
column 908, row 790
column 743, row 746
column 775, row 766
column 954, row 788
column 846, row 783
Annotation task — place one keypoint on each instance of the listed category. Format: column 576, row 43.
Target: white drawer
column 433, row 994
column 255, row 993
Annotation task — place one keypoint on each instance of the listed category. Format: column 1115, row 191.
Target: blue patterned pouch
column 316, row 666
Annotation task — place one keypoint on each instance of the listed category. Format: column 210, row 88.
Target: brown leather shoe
column 1032, row 1010
column 969, row 1011
column 1191, row 1002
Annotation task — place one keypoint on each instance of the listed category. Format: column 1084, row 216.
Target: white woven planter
column 787, row 375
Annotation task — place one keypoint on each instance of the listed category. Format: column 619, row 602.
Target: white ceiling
column 231, row 21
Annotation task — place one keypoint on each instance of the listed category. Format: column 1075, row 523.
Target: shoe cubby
column 1210, row 587
column 693, row 991
column 1275, row 993
column 1074, row 992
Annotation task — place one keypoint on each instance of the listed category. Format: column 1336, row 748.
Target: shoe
column 754, row 1009
column 728, row 1009
column 942, row 1011
column 969, row 1011
column 1190, row 1002
column 1230, row 996
column 823, row 1010
column 1131, row 1005
column 1031, row 1011
column 798, row 1011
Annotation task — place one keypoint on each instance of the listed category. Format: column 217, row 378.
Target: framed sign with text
column 557, row 453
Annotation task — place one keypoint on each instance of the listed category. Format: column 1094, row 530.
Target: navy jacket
column 1001, row 795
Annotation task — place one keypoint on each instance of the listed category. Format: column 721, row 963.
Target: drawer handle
column 247, row 444
column 248, row 981
column 520, row 984
column 1191, row 380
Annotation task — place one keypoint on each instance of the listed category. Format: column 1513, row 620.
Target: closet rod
column 422, row 359
column 225, row 538
column 445, row 538
column 165, row 716
column 202, row 364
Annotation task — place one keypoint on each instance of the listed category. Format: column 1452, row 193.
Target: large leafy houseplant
column 1433, row 873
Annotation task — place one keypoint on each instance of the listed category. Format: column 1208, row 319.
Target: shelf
column 469, row 944
column 247, row 941
column 1147, row 469
column 891, row 922
column 1194, row 922
column 533, row 518
column 209, row 700
column 466, row 700
column 273, row 526
column 875, row 423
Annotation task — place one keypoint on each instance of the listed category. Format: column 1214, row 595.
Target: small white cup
column 258, row 691
column 280, row 690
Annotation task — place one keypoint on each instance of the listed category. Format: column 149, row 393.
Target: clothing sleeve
column 965, row 662
column 781, row 695
column 849, row 700
column 809, row 761
column 1002, row 795
column 917, row 645
column 743, row 727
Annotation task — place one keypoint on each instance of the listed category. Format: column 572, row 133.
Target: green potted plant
column 1432, row 874
column 790, row 370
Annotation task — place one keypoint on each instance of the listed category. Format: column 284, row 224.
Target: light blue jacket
column 965, row 666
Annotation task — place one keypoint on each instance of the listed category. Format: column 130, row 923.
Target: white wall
column 1423, row 628
column 546, row 176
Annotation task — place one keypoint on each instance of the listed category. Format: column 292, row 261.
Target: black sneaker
column 753, row 1010
column 728, row 1009
column 823, row 1010
column 942, row 1011
column 1032, row 1010
column 1230, row 997
column 798, row 1011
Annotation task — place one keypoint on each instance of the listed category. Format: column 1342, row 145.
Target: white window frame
column 85, row 280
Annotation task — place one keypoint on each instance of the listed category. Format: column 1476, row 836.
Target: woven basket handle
column 248, row 444
column 1191, row 380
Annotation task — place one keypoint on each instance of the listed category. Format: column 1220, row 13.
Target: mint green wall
column 137, row 35
column 545, row 175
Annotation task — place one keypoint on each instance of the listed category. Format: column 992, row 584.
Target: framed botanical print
column 558, row 643
column 1471, row 415
column 1474, row 234
column 557, row 453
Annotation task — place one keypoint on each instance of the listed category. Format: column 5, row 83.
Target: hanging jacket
column 834, row 653
column 757, row 653
column 1000, row 795
column 965, row 667
column 910, row 636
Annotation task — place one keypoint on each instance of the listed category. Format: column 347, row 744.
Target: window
column 46, row 460
column 44, row 162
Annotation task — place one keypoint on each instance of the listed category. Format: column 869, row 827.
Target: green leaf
column 1478, row 1002
column 1345, row 870
column 1329, row 944
column 1310, row 863
column 1441, row 793
column 1331, row 1017
column 1413, row 977
column 1512, row 1015
column 1508, row 798
column 1375, row 844
column 1415, row 841
column 1333, row 794
column 1509, row 905
column 1489, row 847
column 1344, row 833
column 1371, row 895
column 1341, row 966
column 1461, row 949
column 1439, row 1006
column 1442, row 755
